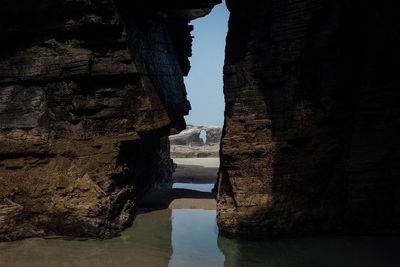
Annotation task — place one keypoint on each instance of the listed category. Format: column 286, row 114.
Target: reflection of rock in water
column 311, row 252
column 151, row 234
column 146, row 243
column 194, row 238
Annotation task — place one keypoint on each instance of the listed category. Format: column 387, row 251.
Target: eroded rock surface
column 196, row 141
column 191, row 136
column 310, row 141
column 89, row 90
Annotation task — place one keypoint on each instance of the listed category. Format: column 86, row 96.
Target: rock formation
column 188, row 137
column 190, row 144
column 310, row 141
column 191, row 136
column 89, row 90
column 213, row 135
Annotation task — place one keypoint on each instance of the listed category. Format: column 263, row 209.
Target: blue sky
column 204, row 83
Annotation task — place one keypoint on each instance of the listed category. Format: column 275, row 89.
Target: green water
column 190, row 238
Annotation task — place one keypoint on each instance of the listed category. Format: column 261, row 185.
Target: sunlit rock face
column 191, row 136
column 196, row 141
column 310, row 141
column 89, row 90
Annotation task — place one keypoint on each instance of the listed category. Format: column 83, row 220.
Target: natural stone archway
column 191, row 136
column 90, row 90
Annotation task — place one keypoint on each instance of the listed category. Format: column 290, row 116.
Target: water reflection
column 194, row 238
column 146, row 243
column 197, row 187
column 312, row 252
column 190, row 238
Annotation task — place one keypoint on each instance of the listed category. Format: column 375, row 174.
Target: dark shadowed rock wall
column 311, row 136
column 89, row 90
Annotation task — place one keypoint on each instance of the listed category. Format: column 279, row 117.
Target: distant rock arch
column 193, row 136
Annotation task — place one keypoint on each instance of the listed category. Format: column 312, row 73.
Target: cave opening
column 195, row 151
column 204, row 84
column 91, row 90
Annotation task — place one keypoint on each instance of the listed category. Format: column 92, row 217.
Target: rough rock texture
column 191, row 144
column 191, row 136
column 213, row 135
column 188, row 137
column 311, row 136
column 207, row 151
column 89, row 90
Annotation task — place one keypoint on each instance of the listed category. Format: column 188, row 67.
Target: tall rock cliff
column 310, row 141
column 89, row 90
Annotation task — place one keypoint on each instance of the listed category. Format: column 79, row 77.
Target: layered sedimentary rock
column 89, row 90
column 310, row 141
column 191, row 136
column 191, row 143
column 213, row 135
column 188, row 137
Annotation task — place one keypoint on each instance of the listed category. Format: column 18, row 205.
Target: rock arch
column 310, row 141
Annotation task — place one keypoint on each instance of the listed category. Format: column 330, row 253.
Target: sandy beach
column 189, row 170
column 196, row 170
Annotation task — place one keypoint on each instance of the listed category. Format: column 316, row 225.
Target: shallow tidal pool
column 189, row 237
column 196, row 187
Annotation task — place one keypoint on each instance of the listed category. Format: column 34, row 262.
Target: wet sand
column 162, row 214
column 185, row 233
column 189, row 170
column 196, row 170
column 179, row 199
